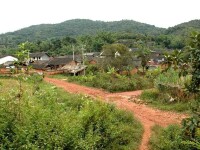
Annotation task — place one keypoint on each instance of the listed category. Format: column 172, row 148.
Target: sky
column 17, row 14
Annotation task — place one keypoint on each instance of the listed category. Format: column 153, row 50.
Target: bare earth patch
column 127, row 101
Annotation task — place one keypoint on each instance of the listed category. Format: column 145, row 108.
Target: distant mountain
column 78, row 27
column 184, row 29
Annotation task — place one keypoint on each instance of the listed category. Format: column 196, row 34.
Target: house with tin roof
column 7, row 60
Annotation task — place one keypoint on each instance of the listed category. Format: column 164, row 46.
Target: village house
column 7, row 60
column 40, row 65
column 156, row 57
column 91, row 58
column 58, row 62
column 39, row 56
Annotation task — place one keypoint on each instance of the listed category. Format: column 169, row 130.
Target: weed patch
column 45, row 117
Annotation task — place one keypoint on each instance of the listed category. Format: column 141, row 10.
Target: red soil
column 129, row 102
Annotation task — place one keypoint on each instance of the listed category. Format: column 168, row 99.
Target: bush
column 152, row 74
column 164, row 101
column 92, row 69
column 51, row 119
column 171, row 84
column 167, row 139
column 113, row 82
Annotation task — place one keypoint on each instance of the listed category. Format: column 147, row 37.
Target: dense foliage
column 113, row 82
column 116, row 56
column 40, row 116
column 76, row 27
column 57, row 39
column 191, row 126
column 175, row 83
column 170, row 138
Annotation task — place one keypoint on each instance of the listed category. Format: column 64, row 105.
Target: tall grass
column 45, row 117
column 170, row 83
column 161, row 100
column 169, row 92
column 113, row 82
column 170, row 138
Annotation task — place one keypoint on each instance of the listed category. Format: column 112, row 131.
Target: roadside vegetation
column 36, row 115
column 168, row 138
column 186, row 137
column 112, row 82
column 169, row 92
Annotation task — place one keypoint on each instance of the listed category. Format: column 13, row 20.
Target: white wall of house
column 7, row 59
column 44, row 57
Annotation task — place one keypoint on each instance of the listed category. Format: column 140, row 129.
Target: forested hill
column 78, row 27
column 184, row 29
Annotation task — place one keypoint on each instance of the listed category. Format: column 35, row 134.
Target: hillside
column 184, row 29
column 77, row 27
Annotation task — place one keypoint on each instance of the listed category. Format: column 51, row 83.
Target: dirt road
column 127, row 101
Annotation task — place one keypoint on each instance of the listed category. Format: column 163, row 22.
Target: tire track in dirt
column 127, row 101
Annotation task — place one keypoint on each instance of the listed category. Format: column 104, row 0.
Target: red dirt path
column 127, row 101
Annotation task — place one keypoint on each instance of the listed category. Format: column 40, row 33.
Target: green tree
column 144, row 54
column 191, row 125
column 103, row 38
column 117, row 56
column 66, row 41
column 23, row 52
column 177, row 58
column 167, row 60
column 23, row 56
column 195, row 61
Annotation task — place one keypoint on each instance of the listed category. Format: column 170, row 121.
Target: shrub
column 52, row 119
column 152, row 74
column 171, row 84
column 167, row 139
column 113, row 82
column 92, row 69
column 164, row 101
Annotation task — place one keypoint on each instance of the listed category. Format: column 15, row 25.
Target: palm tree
column 173, row 60
column 176, row 58
column 167, row 60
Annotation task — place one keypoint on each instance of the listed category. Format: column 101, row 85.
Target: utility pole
column 82, row 49
column 73, row 51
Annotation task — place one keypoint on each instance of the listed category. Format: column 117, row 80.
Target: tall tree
column 117, row 56
column 144, row 54
column 191, row 126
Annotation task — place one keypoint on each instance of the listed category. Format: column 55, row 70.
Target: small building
column 58, row 62
column 7, row 60
column 156, row 57
column 40, row 65
column 92, row 58
column 74, row 69
column 39, row 56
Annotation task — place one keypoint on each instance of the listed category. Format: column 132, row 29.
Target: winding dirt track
column 127, row 101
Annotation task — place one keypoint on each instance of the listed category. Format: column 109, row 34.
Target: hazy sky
column 17, row 14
